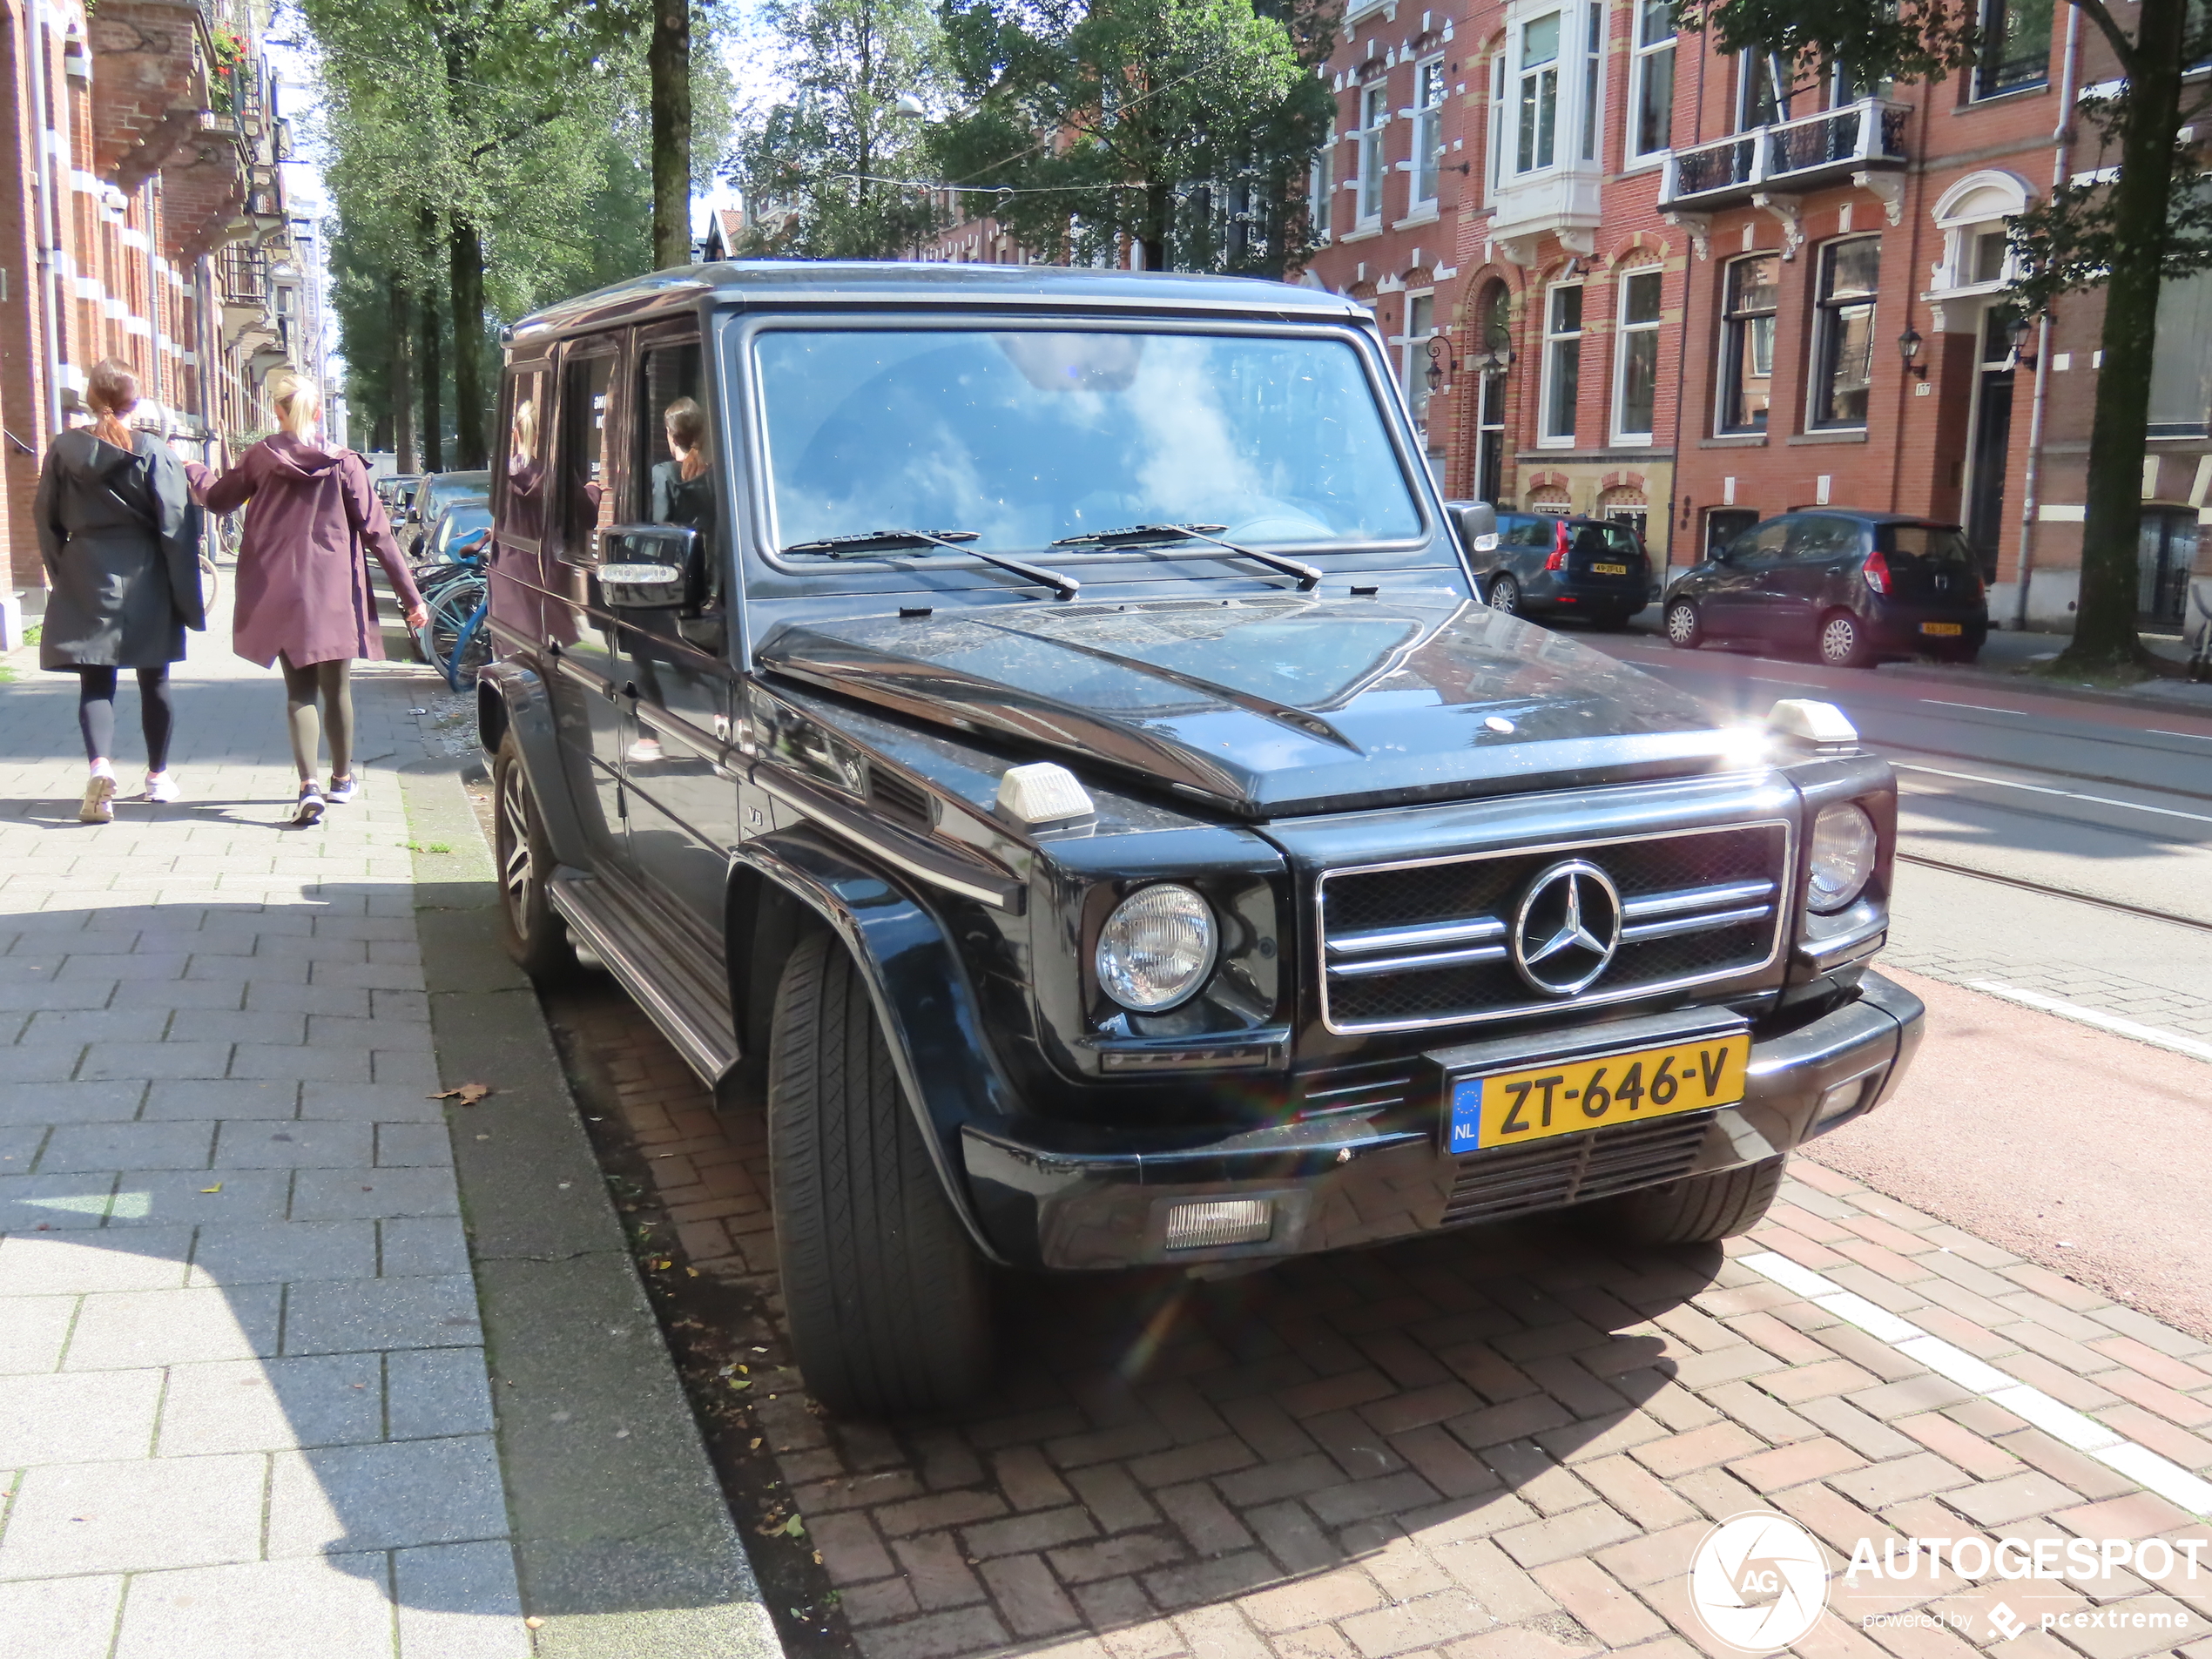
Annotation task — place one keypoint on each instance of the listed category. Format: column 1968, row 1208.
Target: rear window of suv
column 1603, row 537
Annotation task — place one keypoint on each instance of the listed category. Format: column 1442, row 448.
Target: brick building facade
column 142, row 216
column 1661, row 282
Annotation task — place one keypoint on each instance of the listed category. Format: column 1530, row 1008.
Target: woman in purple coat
column 303, row 597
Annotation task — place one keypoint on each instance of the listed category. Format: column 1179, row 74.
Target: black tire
column 1842, row 641
column 887, row 1302
column 1504, row 596
column 1685, row 629
column 532, row 930
column 1697, row 1210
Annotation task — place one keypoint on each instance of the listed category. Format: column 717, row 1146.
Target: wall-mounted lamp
column 2018, row 333
column 1908, row 347
column 1439, row 362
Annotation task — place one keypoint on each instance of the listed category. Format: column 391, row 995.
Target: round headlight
column 1157, row 948
column 1842, row 857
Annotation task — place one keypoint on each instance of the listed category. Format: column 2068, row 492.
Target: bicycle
column 452, row 637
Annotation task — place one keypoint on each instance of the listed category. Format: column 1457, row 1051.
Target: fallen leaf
column 218, row 1187
column 534, row 1623
column 692, row 1271
column 755, row 1447
column 467, row 1094
column 794, row 1527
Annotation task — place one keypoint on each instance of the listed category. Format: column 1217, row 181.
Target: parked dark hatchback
column 1032, row 732
column 434, row 493
column 1855, row 587
column 1540, row 564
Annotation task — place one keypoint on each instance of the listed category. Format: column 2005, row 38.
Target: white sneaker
column 99, row 799
column 309, row 811
column 161, row 786
column 340, row 792
column 645, row 751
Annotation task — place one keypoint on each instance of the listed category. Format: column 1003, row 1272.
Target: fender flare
column 931, row 1022
column 510, row 698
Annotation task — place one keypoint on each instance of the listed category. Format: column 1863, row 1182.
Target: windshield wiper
column 1145, row 535
column 842, row 547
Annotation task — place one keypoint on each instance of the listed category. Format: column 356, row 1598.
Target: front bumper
column 1369, row 1175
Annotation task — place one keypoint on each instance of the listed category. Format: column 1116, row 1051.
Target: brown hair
column 687, row 427
column 112, row 391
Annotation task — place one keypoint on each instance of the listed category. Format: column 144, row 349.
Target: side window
column 1816, row 538
column 586, row 462
column 675, row 446
column 521, row 475
column 1762, row 544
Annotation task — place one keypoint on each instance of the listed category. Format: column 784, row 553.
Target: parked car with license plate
column 395, row 490
column 1855, row 587
column 434, row 493
column 1032, row 734
column 1535, row 564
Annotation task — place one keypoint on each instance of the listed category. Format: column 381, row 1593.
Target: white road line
column 1983, row 708
column 2039, row 789
column 2077, row 1429
column 2193, row 737
column 2097, row 1017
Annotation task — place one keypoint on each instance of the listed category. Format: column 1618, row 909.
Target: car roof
column 1864, row 517
column 887, row 282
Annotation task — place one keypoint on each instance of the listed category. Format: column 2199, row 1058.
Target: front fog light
column 1233, row 1221
column 1157, row 948
column 1842, row 857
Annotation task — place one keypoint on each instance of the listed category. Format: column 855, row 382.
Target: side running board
column 683, row 993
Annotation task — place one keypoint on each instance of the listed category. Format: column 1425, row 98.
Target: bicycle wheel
column 471, row 650
column 450, row 608
column 210, row 583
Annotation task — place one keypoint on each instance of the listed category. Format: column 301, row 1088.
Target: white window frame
column 1413, row 359
column 1642, row 56
column 1590, row 94
column 1320, row 184
column 1623, row 332
column 1741, row 326
column 1556, row 343
column 1374, row 120
column 1426, row 165
column 1827, row 342
column 1529, row 91
column 1501, row 127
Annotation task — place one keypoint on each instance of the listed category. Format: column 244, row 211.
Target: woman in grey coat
column 121, row 539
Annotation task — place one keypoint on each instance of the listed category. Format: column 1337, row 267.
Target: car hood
column 1274, row 705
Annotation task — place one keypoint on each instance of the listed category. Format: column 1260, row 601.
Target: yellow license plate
column 1609, row 570
column 1947, row 629
column 1507, row 1109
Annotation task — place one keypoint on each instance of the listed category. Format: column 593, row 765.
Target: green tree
column 1184, row 127
column 2145, row 219
column 823, row 170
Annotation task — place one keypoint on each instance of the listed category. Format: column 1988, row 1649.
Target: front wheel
column 888, row 1303
column 1685, row 629
column 1697, row 1210
column 530, row 929
column 1842, row 642
column 1504, row 595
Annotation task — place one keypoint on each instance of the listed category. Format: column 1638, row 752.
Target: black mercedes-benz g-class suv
column 1035, row 728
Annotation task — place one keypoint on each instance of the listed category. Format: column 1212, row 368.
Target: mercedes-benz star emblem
column 1567, row 928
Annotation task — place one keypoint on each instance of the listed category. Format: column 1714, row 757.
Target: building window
column 1562, row 361
column 1428, row 131
column 1761, row 91
column 1843, row 330
column 2016, row 49
column 1374, row 111
column 1498, row 127
column 1748, row 301
column 1421, row 327
column 1320, row 185
column 1635, row 358
column 1593, row 77
column 2181, row 375
column 1651, row 83
column 1538, row 94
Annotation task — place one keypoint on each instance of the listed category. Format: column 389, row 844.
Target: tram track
column 2050, row 891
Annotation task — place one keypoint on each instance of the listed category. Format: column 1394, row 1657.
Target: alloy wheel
column 1839, row 641
column 1504, row 595
column 1682, row 625
column 515, row 870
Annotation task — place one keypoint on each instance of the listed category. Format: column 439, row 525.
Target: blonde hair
column 686, row 423
column 112, row 391
column 297, row 403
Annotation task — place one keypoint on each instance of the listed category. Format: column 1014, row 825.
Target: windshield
column 1026, row 438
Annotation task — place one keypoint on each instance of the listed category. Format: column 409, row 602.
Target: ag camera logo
column 1758, row 1581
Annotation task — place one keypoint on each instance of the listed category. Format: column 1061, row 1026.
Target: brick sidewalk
column 243, row 1406
column 1498, row 1445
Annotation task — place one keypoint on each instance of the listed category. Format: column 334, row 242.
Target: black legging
column 96, row 713
column 332, row 681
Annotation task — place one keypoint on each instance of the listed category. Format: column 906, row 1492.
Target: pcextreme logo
column 1758, row 1583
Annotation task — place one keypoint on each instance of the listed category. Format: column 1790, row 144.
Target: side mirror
column 652, row 567
column 1478, row 526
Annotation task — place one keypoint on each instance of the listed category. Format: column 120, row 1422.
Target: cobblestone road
column 1504, row 1444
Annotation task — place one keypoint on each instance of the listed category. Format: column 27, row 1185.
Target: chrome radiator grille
column 1413, row 944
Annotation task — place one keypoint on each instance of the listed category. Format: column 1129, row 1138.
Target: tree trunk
column 1158, row 206
column 431, row 370
column 401, row 378
column 668, row 59
column 2104, row 625
column 466, row 249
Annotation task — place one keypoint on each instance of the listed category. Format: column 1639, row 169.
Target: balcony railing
column 1789, row 155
